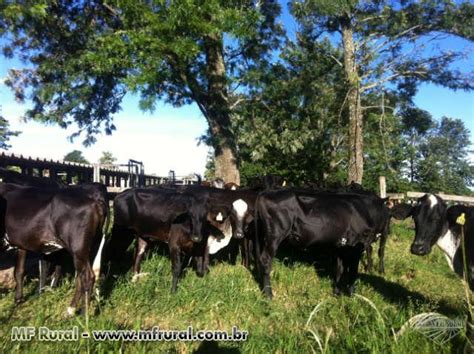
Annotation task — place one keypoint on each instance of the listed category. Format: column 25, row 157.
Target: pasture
column 303, row 310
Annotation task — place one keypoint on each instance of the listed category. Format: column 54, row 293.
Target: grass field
column 229, row 296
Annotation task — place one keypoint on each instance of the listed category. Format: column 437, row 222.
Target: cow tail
column 105, row 227
column 257, row 238
column 3, row 208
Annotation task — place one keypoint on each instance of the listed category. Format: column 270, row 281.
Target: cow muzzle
column 419, row 249
column 196, row 238
column 239, row 235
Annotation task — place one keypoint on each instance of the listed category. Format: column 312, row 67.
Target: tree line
column 330, row 103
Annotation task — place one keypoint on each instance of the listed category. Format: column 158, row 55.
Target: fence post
column 96, row 172
column 383, row 187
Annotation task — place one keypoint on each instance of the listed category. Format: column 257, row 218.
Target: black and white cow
column 45, row 220
column 435, row 223
column 307, row 218
column 230, row 214
column 148, row 214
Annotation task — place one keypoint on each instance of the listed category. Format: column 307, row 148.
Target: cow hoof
column 268, row 293
column 351, row 291
column 70, row 312
column 46, row 289
column 137, row 276
column 201, row 274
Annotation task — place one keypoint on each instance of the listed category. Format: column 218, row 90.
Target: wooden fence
column 115, row 177
column 398, row 197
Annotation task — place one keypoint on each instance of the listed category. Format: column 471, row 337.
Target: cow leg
column 43, row 266
column 19, row 272
column 244, row 248
column 176, row 261
column 116, row 246
column 142, row 246
column 353, row 259
column 88, row 279
column 338, row 275
column 84, row 283
column 199, row 264
column 266, row 262
column 369, row 264
column 205, row 261
column 56, row 276
column 383, row 241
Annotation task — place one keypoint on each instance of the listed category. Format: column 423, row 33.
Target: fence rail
column 445, row 197
column 114, row 177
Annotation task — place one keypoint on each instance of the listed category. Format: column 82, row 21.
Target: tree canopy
column 107, row 158
column 331, row 104
column 6, row 133
column 75, row 156
column 86, row 55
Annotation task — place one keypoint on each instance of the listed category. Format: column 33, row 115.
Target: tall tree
column 75, row 156
column 384, row 43
column 85, row 55
column 107, row 158
column 445, row 164
column 6, row 133
column 416, row 124
column 293, row 116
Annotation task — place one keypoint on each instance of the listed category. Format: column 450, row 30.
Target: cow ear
column 388, row 203
column 249, row 218
column 401, row 211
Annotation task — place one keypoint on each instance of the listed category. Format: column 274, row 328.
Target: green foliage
column 107, row 158
column 84, row 56
column 75, row 156
column 302, row 310
column 293, row 117
column 210, row 172
column 6, row 134
column 445, row 164
column 295, row 123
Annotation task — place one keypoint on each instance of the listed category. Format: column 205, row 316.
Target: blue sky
column 167, row 139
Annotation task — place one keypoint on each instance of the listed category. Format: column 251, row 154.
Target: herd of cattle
column 197, row 221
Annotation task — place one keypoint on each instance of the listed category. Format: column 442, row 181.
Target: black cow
column 307, row 218
column 96, row 191
column 149, row 214
column 9, row 176
column 381, row 224
column 182, row 249
column 380, row 217
column 45, row 220
column 435, row 223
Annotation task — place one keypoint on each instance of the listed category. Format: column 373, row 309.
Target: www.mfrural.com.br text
column 45, row 334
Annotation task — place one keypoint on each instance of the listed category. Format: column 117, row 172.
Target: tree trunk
column 218, row 112
column 356, row 159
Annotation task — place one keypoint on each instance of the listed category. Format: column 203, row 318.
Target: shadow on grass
column 118, row 268
column 399, row 295
column 213, row 347
column 321, row 258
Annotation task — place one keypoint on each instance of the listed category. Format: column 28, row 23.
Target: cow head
column 198, row 216
column 429, row 214
column 240, row 218
column 237, row 215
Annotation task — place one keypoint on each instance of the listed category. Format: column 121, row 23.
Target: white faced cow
column 435, row 223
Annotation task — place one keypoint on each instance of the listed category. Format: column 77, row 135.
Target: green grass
column 229, row 296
